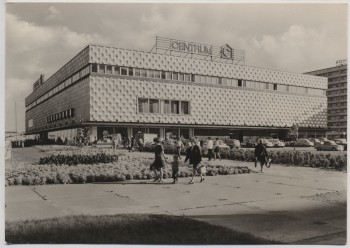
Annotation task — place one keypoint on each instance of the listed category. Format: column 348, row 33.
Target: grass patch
column 124, row 229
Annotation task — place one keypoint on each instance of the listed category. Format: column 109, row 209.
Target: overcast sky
column 41, row 38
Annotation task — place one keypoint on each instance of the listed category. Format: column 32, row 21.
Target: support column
column 129, row 131
column 162, row 133
column 93, row 133
column 191, row 132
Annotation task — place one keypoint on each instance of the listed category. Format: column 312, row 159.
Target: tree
column 294, row 133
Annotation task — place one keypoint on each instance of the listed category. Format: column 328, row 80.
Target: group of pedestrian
column 193, row 155
column 213, row 149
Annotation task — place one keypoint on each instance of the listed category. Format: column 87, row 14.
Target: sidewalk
column 289, row 204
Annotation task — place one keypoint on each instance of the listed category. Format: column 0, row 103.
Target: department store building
column 179, row 88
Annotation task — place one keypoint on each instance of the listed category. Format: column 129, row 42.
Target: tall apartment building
column 337, row 99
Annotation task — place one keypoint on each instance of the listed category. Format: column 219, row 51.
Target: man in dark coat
column 194, row 155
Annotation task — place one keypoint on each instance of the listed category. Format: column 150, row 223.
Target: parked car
column 277, row 143
column 304, row 142
column 342, row 142
column 266, row 143
column 233, row 143
column 330, row 145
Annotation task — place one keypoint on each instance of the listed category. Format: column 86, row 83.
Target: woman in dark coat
column 159, row 160
column 194, row 154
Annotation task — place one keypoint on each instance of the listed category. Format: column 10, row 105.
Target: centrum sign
column 190, row 47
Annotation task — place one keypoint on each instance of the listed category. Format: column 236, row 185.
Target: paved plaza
column 289, row 204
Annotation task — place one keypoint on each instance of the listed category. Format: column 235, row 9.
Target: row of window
column 332, row 105
column 176, row 76
column 60, row 87
column 137, row 72
column 330, row 86
column 162, row 106
column 337, row 98
column 60, row 116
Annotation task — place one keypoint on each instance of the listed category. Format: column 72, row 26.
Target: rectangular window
column 168, row 75
column 101, row 69
column 131, row 72
column 274, row 86
column 181, row 77
column 187, row 78
column 184, row 108
column 143, row 72
column 109, row 69
column 223, row 81
column 157, row 74
column 116, row 70
column 175, row 76
column 240, row 83
column 137, row 72
column 293, row 89
column 165, row 107
column 192, row 78
column 94, row 68
column 143, row 105
column 197, row 78
column 153, row 105
column 163, row 74
column 203, row 79
column 124, row 71
column 150, row 73
column 175, row 107
column 75, row 77
column 30, row 123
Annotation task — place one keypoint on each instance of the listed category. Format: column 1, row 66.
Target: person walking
column 217, row 149
column 210, row 147
column 159, row 161
column 194, row 155
column 260, row 155
column 179, row 146
column 175, row 168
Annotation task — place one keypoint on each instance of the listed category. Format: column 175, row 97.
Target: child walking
column 175, row 168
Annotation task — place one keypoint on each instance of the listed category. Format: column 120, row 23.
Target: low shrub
column 297, row 158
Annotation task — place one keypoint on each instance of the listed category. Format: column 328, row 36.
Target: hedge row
column 75, row 159
column 127, row 168
column 297, row 158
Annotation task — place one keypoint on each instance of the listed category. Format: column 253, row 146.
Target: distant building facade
column 337, row 99
column 119, row 91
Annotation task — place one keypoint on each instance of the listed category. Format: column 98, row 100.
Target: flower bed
column 127, row 168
